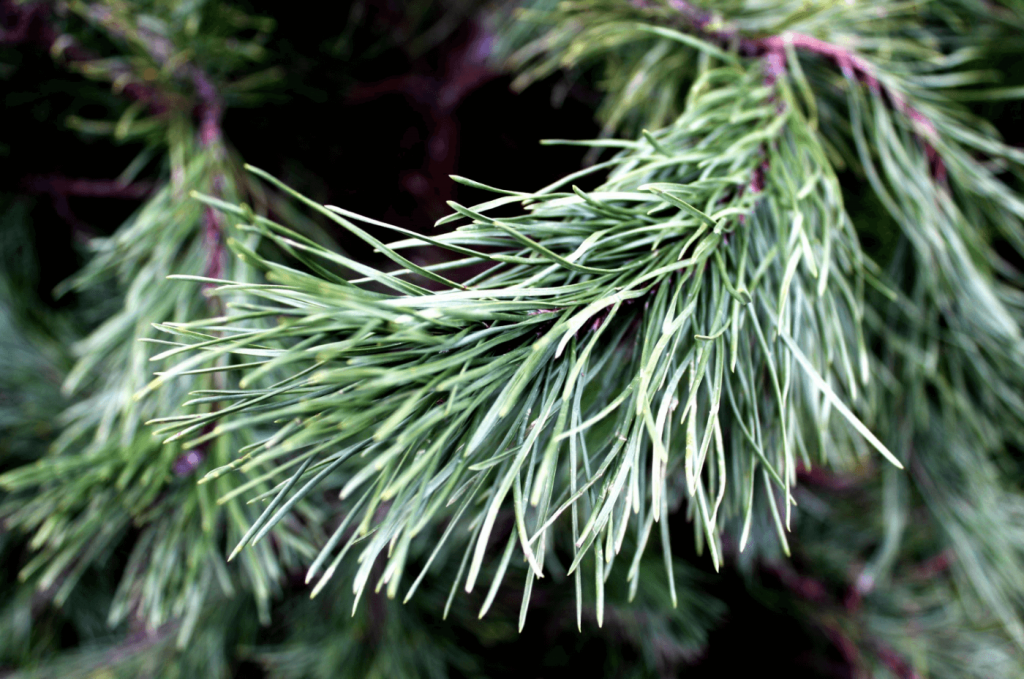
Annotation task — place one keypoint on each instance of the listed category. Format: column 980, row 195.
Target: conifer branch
column 100, row 429
column 32, row 24
column 690, row 326
column 423, row 385
column 393, row 391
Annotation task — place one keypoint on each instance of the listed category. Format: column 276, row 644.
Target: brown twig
column 939, row 563
column 851, row 64
column 29, row 24
column 896, row 663
column 209, row 111
column 60, row 188
column 830, row 480
column 161, row 50
column 804, row 586
column 88, row 188
column 436, row 96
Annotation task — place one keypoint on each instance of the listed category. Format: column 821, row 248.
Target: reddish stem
column 773, row 48
column 934, row 566
column 848, row 62
column 804, row 586
column 896, row 663
column 90, row 188
column 29, row 24
column 209, row 111
column 162, row 50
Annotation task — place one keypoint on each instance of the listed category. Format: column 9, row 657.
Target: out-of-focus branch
column 30, row 24
column 54, row 184
column 210, row 108
column 209, row 111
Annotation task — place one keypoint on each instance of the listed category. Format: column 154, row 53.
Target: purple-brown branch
column 814, row 592
column 210, row 108
column 29, row 24
column 773, row 49
column 849, row 63
column 436, row 96
column 59, row 188
column 209, row 111
column 87, row 188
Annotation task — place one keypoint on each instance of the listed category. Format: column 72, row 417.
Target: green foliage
column 885, row 87
column 105, row 474
column 32, row 359
column 559, row 369
column 686, row 326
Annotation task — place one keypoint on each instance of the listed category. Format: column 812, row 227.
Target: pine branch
column 32, row 24
column 511, row 367
column 727, row 228
column 104, row 473
column 695, row 327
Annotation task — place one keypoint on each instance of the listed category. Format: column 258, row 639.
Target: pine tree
column 778, row 307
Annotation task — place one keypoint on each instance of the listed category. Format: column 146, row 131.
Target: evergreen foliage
column 780, row 306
